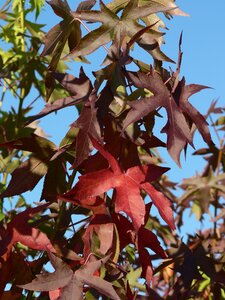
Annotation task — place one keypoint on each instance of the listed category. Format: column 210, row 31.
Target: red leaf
column 127, row 185
column 142, row 239
column 54, row 295
column 19, row 230
column 162, row 203
column 148, row 239
column 124, row 228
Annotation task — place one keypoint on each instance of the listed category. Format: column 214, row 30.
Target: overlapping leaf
column 202, row 189
column 67, row 30
column 88, row 125
column 19, row 230
column 142, row 240
column 127, row 188
column 25, row 177
column 101, row 226
column 177, row 127
column 79, row 88
column 71, row 283
column 117, row 5
column 57, row 36
column 120, row 29
column 28, row 174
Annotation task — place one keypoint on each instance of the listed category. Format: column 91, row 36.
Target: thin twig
column 33, row 101
column 215, row 129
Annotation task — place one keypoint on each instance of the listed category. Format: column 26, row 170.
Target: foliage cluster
column 93, row 221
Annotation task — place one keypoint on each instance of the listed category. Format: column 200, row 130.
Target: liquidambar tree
column 107, row 169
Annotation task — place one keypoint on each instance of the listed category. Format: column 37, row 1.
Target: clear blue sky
column 203, row 63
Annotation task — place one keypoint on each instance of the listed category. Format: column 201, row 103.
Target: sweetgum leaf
column 67, row 30
column 142, row 239
column 79, row 88
column 60, row 7
column 118, row 29
column 177, row 128
column 25, row 177
column 102, row 226
column 88, row 125
column 117, row 5
column 162, row 203
column 51, row 281
column 201, row 189
column 198, row 119
column 52, row 188
column 71, row 284
column 19, row 230
column 53, row 37
column 147, row 239
column 40, row 146
column 127, row 186
column 84, row 275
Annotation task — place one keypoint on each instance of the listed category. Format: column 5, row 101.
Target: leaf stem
column 215, row 129
column 22, row 24
column 88, row 30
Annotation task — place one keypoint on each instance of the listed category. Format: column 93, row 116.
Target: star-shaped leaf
column 177, row 127
column 71, row 283
column 127, row 186
column 120, row 29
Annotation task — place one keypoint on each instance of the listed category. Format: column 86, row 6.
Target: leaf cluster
column 94, row 220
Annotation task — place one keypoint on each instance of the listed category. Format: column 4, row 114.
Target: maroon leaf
column 86, row 5
column 143, row 239
column 177, row 129
column 148, row 239
column 25, row 177
column 39, row 145
column 79, row 88
column 147, row 269
column 198, row 119
column 88, row 125
column 52, row 188
column 120, row 29
column 53, row 37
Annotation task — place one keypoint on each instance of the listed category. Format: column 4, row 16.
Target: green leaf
column 37, row 5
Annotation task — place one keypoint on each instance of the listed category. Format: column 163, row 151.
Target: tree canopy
column 95, row 220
